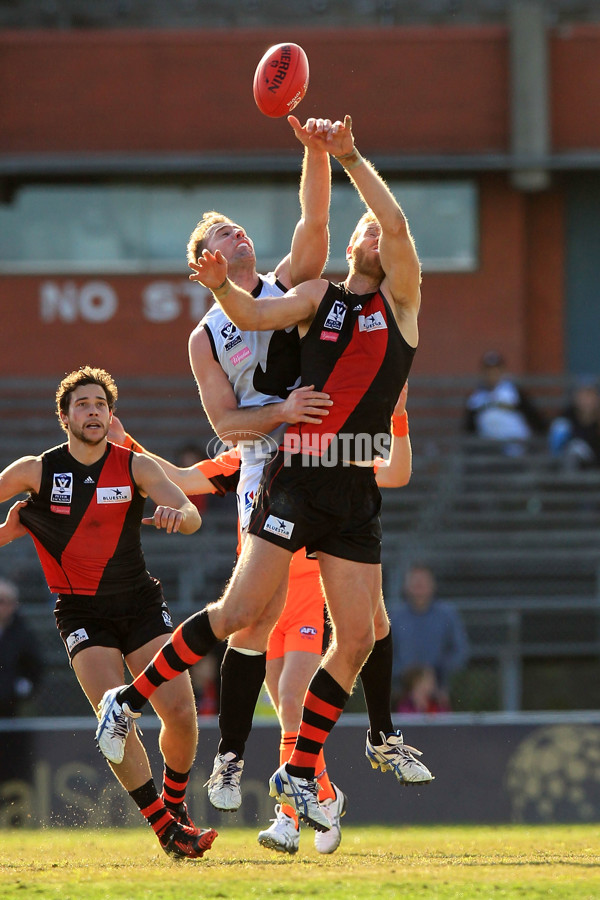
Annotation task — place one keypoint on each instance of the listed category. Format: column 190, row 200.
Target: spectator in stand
column 427, row 632
column 21, row 663
column 419, row 692
column 575, row 434
column 500, row 410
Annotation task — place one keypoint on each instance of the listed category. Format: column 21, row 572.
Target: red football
column 281, row 79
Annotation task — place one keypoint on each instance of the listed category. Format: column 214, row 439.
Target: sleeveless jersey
column 85, row 522
column 355, row 352
column 262, row 367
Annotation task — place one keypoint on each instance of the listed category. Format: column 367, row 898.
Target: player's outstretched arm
column 189, row 478
column 266, row 314
column 310, row 242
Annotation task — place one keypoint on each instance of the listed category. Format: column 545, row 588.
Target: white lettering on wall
column 163, row 301
column 97, row 301
column 94, row 301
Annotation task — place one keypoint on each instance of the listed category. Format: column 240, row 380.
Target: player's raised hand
column 334, row 137
column 313, row 133
column 210, row 269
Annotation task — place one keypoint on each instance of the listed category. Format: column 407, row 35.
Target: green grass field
column 372, row 862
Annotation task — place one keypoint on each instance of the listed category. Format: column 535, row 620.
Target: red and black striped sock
column 152, row 807
column 323, row 705
column 174, row 787
column 189, row 642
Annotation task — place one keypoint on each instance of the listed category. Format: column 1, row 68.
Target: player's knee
column 290, row 708
column 181, row 716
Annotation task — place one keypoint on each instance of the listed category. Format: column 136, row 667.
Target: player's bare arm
column 296, row 307
column 310, row 242
column 11, row 528
column 21, row 477
column 189, row 478
column 397, row 251
column 397, row 470
column 174, row 512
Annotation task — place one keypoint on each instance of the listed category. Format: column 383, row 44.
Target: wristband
column 132, row 444
column 354, row 159
column 400, row 425
column 221, row 286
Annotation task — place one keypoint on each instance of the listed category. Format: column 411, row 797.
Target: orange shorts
column 301, row 624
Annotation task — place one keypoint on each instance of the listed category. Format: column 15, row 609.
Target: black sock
column 242, row 678
column 376, row 678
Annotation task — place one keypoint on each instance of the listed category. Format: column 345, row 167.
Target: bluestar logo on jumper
column 335, row 317
column 281, row 527
column 62, row 487
column 374, row 322
column 113, row 494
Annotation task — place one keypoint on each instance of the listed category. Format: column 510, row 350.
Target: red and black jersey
column 353, row 351
column 85, row 522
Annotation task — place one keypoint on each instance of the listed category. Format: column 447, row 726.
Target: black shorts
column 126, row 621
column 332, row 509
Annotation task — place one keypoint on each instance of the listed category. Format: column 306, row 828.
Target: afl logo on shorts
column 308, row 631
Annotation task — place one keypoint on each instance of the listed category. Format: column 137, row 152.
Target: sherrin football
column 281, row 79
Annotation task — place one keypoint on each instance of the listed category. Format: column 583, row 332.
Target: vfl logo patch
column 374, row 322
column 62, row 487
column 328, row 336
column 113, row 494
column 76, row 637
column 248, row 500
column 228, row 330
column 335, row 317
column 233, row 342
column 279, row 526
column 167, row 618
column 237, row 358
